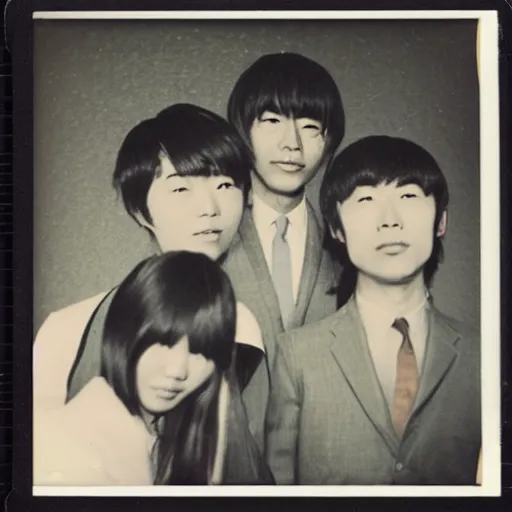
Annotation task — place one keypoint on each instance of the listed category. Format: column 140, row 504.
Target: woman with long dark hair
column 163, row 390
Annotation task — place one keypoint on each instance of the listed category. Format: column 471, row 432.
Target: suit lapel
column 353, row 356
column 440, row 354
column 310, row 268
column 268, row 297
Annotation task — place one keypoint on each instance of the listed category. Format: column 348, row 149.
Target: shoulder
column 67, row 324
column 462, row 328
column 248, row 330
column 74, row 315
column 468, row 334
column 317, row 333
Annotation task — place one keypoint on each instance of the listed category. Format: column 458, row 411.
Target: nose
column 206, row 201
column 290, row 136
column 390, row 217
column 176, row 361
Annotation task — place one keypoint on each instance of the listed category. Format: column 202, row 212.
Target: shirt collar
column 265, row 216
column 377, row 318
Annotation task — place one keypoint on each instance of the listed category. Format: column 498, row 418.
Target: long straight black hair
column 164, row 298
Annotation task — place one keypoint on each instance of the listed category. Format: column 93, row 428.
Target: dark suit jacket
column 252, row 282
column 328, row 421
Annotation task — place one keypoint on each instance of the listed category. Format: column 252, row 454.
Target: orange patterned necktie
column 407, row 379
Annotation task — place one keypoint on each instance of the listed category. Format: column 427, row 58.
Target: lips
column 393, row 248
column 168, row 393
column 288, row 165
column 211, row 235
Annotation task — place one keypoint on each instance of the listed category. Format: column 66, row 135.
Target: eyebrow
column 173, row 175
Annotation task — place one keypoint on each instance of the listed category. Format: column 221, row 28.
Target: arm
column 283, row 415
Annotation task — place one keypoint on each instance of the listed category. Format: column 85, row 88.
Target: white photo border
column 487, row 55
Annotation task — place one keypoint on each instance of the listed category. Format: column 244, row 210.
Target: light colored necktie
column 282, row 270
column 407, row 379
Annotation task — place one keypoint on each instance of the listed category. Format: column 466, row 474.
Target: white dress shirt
column 384, row 340
column 265, row 221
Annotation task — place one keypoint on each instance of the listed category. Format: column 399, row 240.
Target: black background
column 16, row 286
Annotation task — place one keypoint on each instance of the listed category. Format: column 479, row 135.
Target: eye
column 179, row 189
column 408, row 195
column 269, row 118
column 225, row 185
column 365, row 199
column 311, row 126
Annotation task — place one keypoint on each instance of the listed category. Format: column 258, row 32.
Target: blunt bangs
column 196, row 141
column 201, row 305
column 377, row 160
column 290, row 99
column 164, row 298
column 291, row 85
column 201, row 143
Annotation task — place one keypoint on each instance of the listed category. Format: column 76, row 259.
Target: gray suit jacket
column 252, row 282
column 328, row 421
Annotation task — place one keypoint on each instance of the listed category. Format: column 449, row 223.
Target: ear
column 337, row 234
column 441, row 227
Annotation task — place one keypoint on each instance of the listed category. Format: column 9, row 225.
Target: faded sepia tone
column 96, row 79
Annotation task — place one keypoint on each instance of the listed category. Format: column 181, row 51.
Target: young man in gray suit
column 289, row 112
column 387, row 389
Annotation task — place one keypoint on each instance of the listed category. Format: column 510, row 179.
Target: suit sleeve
column 283, row 415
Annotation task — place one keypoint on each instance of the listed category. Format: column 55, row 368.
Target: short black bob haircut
column 372, row 161
column 196, row 141
column 292, row 85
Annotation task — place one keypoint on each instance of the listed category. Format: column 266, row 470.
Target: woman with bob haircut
column 165, row 368
column 183, row 176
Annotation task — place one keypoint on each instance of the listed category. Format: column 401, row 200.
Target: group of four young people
column 331, row 366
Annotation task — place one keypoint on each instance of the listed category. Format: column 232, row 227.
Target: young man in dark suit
column 387, row 389
column 289, row 112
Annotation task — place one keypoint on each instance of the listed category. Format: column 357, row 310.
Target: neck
column 280, row 203
column 398, row 297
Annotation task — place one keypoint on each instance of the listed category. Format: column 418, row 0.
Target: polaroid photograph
column 265, row 253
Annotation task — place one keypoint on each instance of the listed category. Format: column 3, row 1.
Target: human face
column 288, row 152
column 388, row 231
column 166, row 375
column 193, row 213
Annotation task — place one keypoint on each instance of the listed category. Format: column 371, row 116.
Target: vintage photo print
column 200, row 319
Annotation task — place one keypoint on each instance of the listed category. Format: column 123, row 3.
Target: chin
column 212, row 253
column 287, row 189
column 399, row 278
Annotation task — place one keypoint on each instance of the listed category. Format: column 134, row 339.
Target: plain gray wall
column 95, row 79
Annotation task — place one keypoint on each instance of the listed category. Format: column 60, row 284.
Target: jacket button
column 399, row 466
